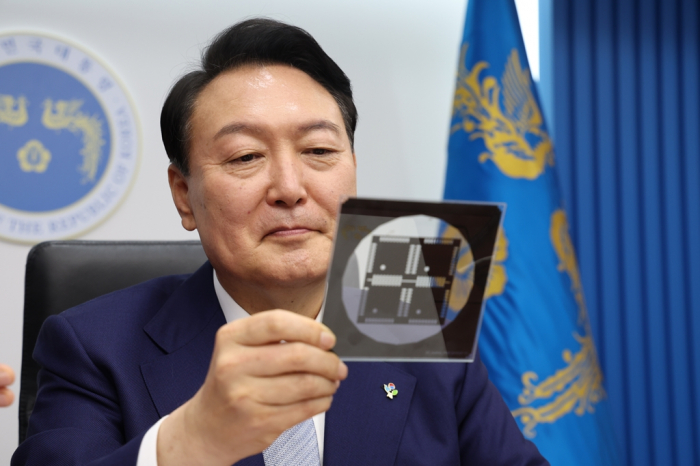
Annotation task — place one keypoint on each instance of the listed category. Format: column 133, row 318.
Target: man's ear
column 179, row 189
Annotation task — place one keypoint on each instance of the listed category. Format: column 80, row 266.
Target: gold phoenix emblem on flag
column 578, row 386
column 498, row 277
column 512, row 131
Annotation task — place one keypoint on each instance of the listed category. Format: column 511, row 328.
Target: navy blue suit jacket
column 113, row 366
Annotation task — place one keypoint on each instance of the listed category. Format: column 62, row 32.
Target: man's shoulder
column 127, row 310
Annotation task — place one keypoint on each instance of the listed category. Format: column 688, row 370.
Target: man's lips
column 289, row 231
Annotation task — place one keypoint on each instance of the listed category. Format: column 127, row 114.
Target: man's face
column 269, row 163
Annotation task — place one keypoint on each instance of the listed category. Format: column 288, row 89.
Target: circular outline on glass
column 408, row 279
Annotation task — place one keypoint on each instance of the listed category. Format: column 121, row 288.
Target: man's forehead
column 248, row 100
column 259, row 78
column 301, row 129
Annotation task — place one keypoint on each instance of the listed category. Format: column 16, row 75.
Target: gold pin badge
column 390, row 390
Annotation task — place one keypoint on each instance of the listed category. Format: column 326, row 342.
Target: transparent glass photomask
column 407, row 279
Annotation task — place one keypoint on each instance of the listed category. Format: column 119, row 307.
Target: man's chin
column 295, row 279
column 305, row 252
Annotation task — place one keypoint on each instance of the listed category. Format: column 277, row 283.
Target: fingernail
column 342, row 370
column 327, row 340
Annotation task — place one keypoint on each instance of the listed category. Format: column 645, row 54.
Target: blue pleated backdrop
column 627, row 138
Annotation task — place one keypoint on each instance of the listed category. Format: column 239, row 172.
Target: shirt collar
column 232, row 310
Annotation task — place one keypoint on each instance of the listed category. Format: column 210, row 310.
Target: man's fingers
column 279, row 359
column 297, row 357
column 6, row 397
column 291, row 389
column 278, row 325
column 7, row 376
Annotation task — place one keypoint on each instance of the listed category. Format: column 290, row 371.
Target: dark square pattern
column 408, row 280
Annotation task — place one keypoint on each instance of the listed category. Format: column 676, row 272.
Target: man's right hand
column 256, row 388
column 7, row 377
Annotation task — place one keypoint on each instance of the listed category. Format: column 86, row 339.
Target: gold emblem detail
column 510, row 125
column 66, row 114
column 497, row 273
column 559, row 234
column 463, row 274
column 579, row 386
column 13, row 111
column 33, row 157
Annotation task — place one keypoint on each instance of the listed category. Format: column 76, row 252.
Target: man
column 220, row 366
column 7, row 378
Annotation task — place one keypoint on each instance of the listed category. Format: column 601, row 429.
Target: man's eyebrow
column 303, row 129
column 236, row 128
column 319, row 125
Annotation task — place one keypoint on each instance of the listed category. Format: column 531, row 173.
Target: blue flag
column 535, row 338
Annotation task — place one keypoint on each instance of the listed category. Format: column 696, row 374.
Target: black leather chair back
column 63, row 274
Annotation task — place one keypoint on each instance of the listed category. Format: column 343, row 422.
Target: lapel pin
column 390, row 390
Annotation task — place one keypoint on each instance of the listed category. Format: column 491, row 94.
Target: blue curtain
column 627, row 122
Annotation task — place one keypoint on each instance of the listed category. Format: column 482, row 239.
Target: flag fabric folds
column 535, row 337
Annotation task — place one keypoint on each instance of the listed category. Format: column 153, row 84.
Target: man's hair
column 251, row 42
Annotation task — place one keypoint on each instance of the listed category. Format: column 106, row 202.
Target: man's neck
column 305, row 300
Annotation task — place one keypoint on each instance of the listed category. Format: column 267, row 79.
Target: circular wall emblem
column 69, row 139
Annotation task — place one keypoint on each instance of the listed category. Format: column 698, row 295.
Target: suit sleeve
column 76, row 419
column 488, row 433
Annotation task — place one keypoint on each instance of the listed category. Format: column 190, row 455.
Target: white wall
column 400, row 55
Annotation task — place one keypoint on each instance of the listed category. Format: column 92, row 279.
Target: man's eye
column 320, row 151
column 245, row 158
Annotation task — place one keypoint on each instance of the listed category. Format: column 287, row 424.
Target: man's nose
column 287, row 187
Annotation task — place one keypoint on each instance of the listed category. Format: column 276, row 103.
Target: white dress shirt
column 232, row 311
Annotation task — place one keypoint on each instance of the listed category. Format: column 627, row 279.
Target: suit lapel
column 363, row 426
column 255, row 460
column 184, row 328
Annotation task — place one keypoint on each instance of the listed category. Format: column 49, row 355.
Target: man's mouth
column 283, row 232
